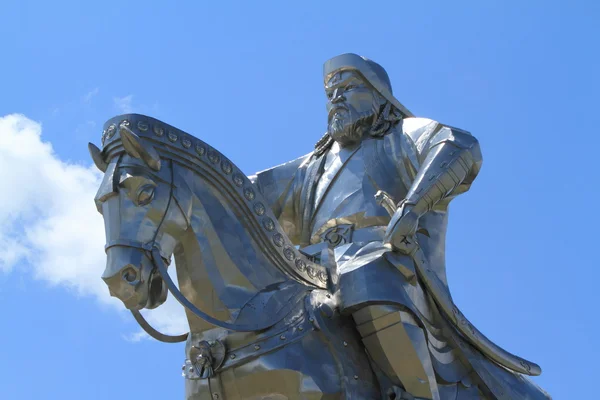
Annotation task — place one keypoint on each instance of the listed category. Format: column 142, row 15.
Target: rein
column 152, row 251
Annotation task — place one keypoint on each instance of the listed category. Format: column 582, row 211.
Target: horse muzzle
column 132, row 278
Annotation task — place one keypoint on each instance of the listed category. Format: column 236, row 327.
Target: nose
column 338, row 96
column 127, row 275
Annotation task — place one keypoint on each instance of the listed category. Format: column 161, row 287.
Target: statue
column 320, row 278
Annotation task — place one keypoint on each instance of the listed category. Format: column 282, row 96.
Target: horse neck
column 220, row 266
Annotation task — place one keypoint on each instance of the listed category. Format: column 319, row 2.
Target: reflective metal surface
column 361, row 309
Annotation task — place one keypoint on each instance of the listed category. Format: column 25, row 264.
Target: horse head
column 165, row 193
column 137, row 201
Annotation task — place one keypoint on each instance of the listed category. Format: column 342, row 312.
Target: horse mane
column 213, row 167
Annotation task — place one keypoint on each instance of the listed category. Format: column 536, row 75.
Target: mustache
column 335, row 110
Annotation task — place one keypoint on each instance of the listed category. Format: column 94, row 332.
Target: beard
column 347, row 127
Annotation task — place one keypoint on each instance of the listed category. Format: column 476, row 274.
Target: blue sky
column 246, row 77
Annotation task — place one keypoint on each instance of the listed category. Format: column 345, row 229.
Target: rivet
column 158, row 130
column 238, row 180
column 278, row 239
column 111, row 131
column 300, row 328
column 300, row 264
column 345, row 344
column 282, row 337
column 214, row 157
column 289, row 254
column 142, row 126
column 226, row 167
column 259, row 209
column 356, row 377
column 256, row 347
column 249, row 194
column 323, row 276
column 201, row 150
column 269, row 224
column 232, row 356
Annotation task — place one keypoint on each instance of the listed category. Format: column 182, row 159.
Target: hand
column 401, row 230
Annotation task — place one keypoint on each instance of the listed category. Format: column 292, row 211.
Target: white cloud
column 87, row 98
column 123, row 104
column 49, row 225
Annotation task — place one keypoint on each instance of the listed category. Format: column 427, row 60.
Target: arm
column 450, row 160
column 281, row 186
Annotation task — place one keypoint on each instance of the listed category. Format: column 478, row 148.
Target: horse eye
column 145, row 195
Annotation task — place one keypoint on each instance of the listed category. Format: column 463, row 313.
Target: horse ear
column 134, row 147
column 96, row 154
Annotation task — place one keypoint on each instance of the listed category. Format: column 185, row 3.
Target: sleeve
column 281, row 186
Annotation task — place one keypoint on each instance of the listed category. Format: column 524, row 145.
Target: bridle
column 152, row 250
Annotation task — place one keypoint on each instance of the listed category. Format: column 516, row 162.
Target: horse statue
column 269, row 320
column 262, row 317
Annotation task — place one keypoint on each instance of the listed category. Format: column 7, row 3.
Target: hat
column 372, row 72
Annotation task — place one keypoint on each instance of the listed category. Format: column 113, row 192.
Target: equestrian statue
column 322, row 278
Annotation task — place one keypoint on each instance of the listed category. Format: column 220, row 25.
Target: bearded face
column 351, row 107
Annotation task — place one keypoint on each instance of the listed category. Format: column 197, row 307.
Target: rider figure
column 376, row 158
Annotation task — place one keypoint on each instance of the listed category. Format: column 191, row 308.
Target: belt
column 343, row 234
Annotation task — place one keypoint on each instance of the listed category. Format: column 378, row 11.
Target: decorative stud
column 142, row 126
column 300, row 264
column 103, row 136
column 232, row 356
column 268, row 224
column 158, row 130
column 201, row 150
column 356, row 377
column 226, row 167
column 249, row 194
column 300, row 328
column 278, row 239
column 289, row 253
column 186, row 143
column 110, row 132
column 345, row 344
column 259, row 208
column 311, row 319
column 238, row 180
column 172, row 137
column 311, row 272
column 256, row 347
column 214, row 157
column 125, row 122
column 282, row 337
column 323, row 276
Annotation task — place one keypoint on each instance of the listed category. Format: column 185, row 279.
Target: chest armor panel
column 345, row 191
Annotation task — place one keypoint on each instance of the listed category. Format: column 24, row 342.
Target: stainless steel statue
column 322, row 278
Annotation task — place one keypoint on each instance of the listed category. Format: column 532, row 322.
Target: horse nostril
column 130, row 274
